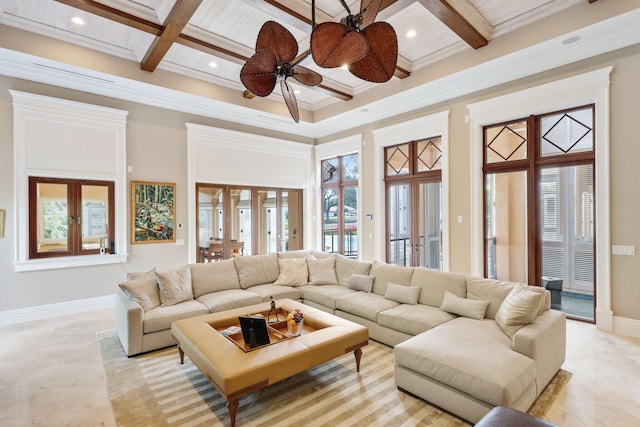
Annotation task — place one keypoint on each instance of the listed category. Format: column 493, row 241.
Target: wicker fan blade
column 290, row 99
column 334, row 45
column 277, row 38
column 306, row 76
column 258, row 73
column 379, row 64
column 369, row 9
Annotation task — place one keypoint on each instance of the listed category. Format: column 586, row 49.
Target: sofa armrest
column 129, row 318
column 545, row 342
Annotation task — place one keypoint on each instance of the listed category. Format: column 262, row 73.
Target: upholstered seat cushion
column 276, row 291
column 473, row 356
column 364, row 305
column 231, row 298
column 413, row 319
column 160, row 318
column 325, row 295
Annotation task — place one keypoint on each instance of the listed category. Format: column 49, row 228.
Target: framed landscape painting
column 152, row 212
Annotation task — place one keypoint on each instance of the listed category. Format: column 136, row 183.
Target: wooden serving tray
column 278, row 331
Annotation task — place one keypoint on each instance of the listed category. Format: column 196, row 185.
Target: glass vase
column 295, row 328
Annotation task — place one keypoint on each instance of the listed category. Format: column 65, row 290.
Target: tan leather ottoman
column 236, row 372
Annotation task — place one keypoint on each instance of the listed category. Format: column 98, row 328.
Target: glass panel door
column 506, row 226
column 567, row 223
column 429, row 247
column 399, row 205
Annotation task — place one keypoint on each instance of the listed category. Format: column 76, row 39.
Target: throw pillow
column 143, row 289
column 360, row 282
column 518, row 309
column 322, row 271
column 472, row 308
column 293, row 272
column 402, row 294
column 175, row 285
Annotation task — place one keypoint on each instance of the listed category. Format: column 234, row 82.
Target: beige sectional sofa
column 463, row 343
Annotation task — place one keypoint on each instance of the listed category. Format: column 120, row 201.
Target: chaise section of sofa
column 469, row 365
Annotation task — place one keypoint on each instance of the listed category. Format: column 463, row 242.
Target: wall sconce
column 1, row 223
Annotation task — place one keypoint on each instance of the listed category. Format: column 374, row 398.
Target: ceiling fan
column 370, row 49
column 276, row 50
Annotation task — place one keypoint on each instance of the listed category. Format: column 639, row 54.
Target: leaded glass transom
column 568, row 132
column 506, row 142
column 429, row 154
column 329, row 170
column 350, row 168
column 398, row 160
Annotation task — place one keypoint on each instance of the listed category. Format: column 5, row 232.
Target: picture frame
column 152, row 212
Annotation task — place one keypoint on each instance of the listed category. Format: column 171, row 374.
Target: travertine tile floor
column 51, row 375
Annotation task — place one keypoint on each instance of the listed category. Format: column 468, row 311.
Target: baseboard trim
column 625, row 326
column 20, row 315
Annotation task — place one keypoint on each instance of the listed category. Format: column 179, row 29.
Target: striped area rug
column 155, row 390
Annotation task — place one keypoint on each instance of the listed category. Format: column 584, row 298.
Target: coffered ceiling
column 210, row 40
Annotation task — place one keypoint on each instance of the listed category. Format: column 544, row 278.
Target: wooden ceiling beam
column 463, row 19
column 178, row 18
column 132, row 21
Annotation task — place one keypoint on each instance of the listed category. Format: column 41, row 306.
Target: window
column 340, row 205
column 413, row 178
column 70, row 217
column 234, row 221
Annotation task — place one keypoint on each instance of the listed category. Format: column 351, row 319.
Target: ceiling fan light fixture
column 276, row 49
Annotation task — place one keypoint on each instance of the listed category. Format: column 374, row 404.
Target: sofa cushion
column 385, row 273
column 293, row 272
column 472, row 356
column 174, row 285
column 434, row 283
column 213, row 277
column 364, row 305
column 359, row 282
column 402, row 294
column 228, row 299
column 472, row 308
column 346, row 266
column 324, row 295
column 143, row 289
column 257, row 269
column 413, row 319
column 301, row 253
column 160, row 318
column 277, row 292
column 518, row 309
column 494, row 291
column 322, row 271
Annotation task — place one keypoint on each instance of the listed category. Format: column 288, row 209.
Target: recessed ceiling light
column 77, row 20
column 345, row 67
column 411, row 33
column 571, row 40
column 297, row 92
column 212, row 64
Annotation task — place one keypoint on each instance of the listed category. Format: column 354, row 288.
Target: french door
column 540, row 205
column 414, row 194
column 415, row 233
column 236, row 221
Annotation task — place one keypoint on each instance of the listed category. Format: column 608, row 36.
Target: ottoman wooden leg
column 232, row 405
